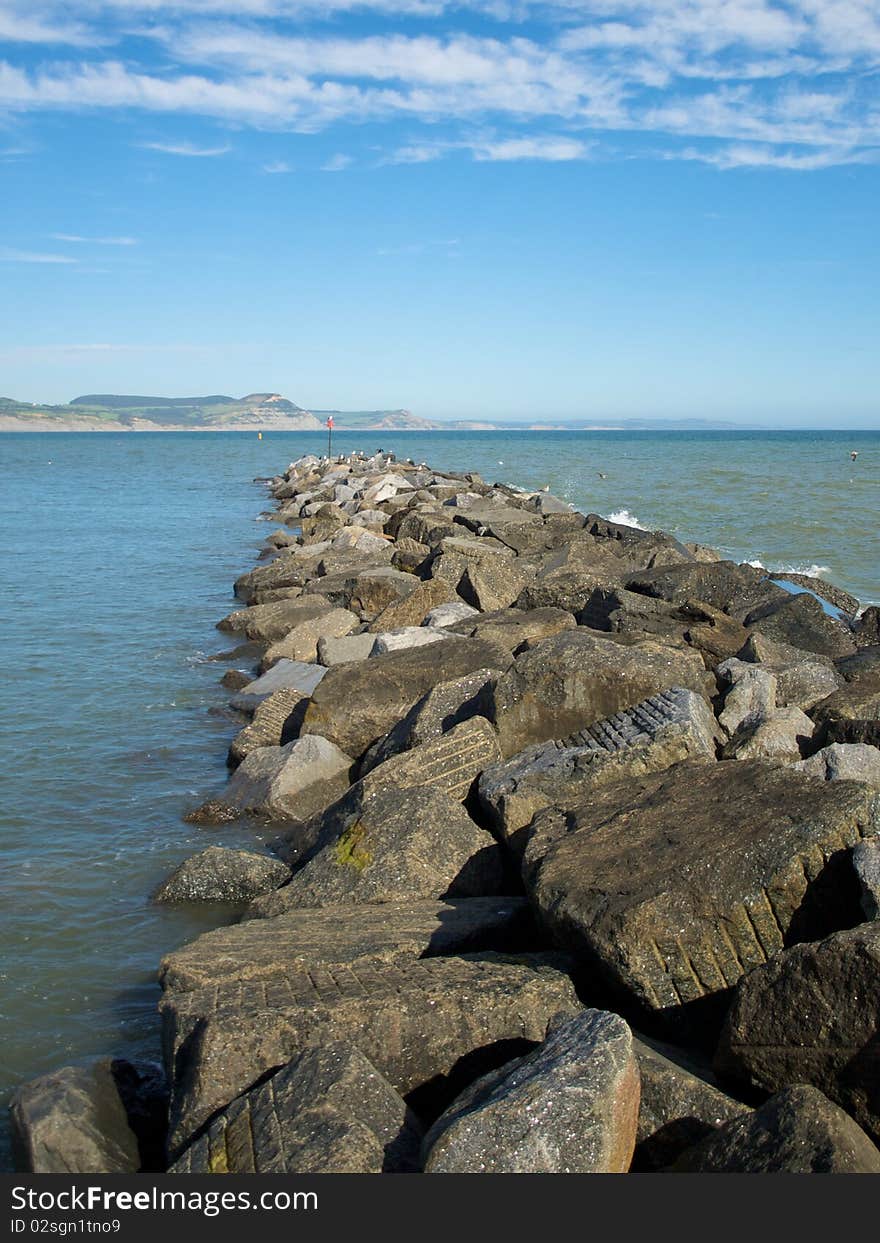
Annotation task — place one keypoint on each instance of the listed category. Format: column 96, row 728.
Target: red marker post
column 329, row 435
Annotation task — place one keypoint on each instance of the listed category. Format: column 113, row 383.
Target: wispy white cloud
column 758, row 157
column 336, row 163
column 10, row 255
column 540, row 148
column 94, row 241
column 277, row 166
column 798, row 73
column 185, row 149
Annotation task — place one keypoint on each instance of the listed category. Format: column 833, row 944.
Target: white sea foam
column 626, row 519
column 813, row 571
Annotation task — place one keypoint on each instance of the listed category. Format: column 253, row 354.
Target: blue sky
column 494, row 208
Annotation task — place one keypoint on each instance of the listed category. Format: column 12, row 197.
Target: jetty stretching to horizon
column 574, row 866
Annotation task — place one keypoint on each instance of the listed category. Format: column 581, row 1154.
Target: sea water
column 118, row 555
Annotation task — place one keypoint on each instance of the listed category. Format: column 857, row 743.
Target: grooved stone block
column 679, row 883
column 675, row 725
column 261, row 948
column 414, row 1021
column 328, row 1111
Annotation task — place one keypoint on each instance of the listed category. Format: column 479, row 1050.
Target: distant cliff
column 102, row 412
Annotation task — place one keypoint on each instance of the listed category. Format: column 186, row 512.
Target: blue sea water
column 118, row 555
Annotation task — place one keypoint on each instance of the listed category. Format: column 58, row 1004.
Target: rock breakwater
column 564, row 813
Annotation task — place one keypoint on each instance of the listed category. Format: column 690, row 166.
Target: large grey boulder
column 366, row 592
column 734, row 589
column 569, row 1107
column 449, row 614
column 286, row 674
column 675, row 725
column 415, row 1021
column 357, row 704
column 751, row 693
column 293, row 781
column 681, row 1103
column 450, row 762
column 301, row 643
column 852, row 713
column 812, row 1015
column 515, row 628
column 446, row 705
column 574, row 678
column 219, row 874
column 801, row 621
column 802, row 678
column 798, row 1131
column 866, row 864
column 328, row 1111
column 266, row 623
column 273, row 715
column 98, row 1118
column 394, row 844
column 406, row 637
column 678, row 883
column 783, row 735
column 344, row 650
column 842, row 761
column 491, row 584
column 264, row 948
column 416, row 606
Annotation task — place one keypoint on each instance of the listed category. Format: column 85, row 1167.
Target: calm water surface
column 118, row 555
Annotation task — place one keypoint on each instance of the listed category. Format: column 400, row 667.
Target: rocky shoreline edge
column 575, row 867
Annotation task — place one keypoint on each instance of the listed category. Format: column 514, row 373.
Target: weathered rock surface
column 97, row 1118
column 567, row 682
column 394, row 844
column 680, row 1104
column 812, row 1015
column 357, row 704
column 678, row 883
column 782, row 736
column 405, row 638
column 450, row 762
column 415, row 607
column 734, row 589
column 514, row 628
column 420, row 1023
column 389, row 932
column 801, row 621
column 866, row 864
column 448, row 704
column 838, row 761
column 328, row 1111
column 345, row 650
column 449, row 614
column 266, row 623
column 569, row 1107
column 491, row 584
column 798, row 1131
column 751, row 694
column 219, row 874
column 301, row 643
column 268, row 725
column 296, row 780
column 852, row 713
column 292, row 674
column 675, row 725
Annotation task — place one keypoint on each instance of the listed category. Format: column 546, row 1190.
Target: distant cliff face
column 121, row 412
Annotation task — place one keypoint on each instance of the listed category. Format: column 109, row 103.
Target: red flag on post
column 329, row 435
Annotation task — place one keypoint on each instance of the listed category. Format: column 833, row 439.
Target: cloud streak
column 746, row 75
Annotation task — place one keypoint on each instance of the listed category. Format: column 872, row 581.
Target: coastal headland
column 575, row 859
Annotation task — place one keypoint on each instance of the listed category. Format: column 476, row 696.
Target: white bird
column 546, row 487
column 602, row 476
